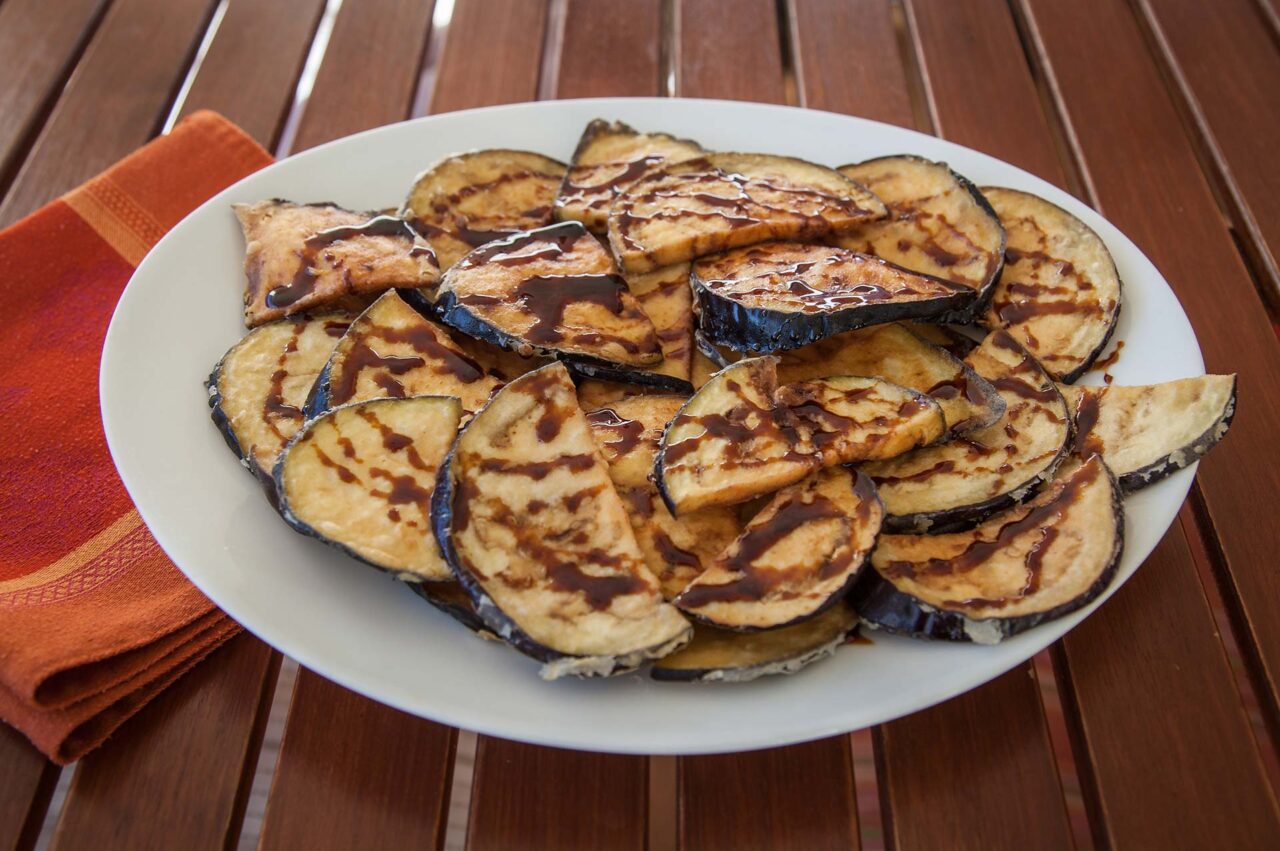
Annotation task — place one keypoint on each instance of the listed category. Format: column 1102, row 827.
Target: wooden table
column 1161, row 113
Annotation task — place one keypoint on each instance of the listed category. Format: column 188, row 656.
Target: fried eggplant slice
column 783, row 295
column 702, row 206
column 299, row 257
column 552, row 291
column 722, row 655
column 665, row 297
column 1147, row 432
column 257, row 390
column 728, row 443
column 1019, row 569
column 360, row 478
column 609, row 158
column 532, row 527
column 847, row 419
column 896, row 354
column 939, row 224
column 798, row 556
column 393, row 351
column 1059, row 293
column 676, row 550
column 466, row 200
column 598, row 393
column 956, row 484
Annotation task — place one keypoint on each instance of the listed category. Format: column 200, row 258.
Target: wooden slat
column 177, row 775
column 1227, row 66
column 39, row 50
column 1000, row 726
column 622, row 40
column 525, row 796
column 26, row 782
column 847, row 59
column 975, row 772
column 253, row 64
column 1177, row 733
column 729, row 50
column 356, row 774
column 115, row 100
column 492, row 54
column 1146, row 178
column 532, row 797
column 370, row 70
column 799, row 797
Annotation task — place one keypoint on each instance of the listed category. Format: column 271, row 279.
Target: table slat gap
column 114, row 100
column 24, row 121
column 209, row 718
column 1219, row 69
column 915, row 64
column 1230, row 319
column 27, row 781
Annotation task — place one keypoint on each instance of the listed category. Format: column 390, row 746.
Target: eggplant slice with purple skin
column 360, row 478
column 895, row 354
column 783, row 295
column 530, row 524
column 609, row 158
column 676, row 550
column 1059, row 294
column 848, row 419
column 1147, row 432
column 1019, row 569
column 392, row 351
column 553, row 291
column 300, row 257
column 466, row 200
column 665, row 297
column 795, row 558
column 722, row 655
column 258, row 388
column 449, row 598
column 680, row 211
column 729, row 443
column 939, row 224
column 957, row 484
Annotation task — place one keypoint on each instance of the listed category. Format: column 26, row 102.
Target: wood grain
column 729, row 50
column 369, row 72
column 610, row 49
column 525, row 796
column 176, row 776
column 1146, row 178
column 253, row 63
column 40, row 49
column 798, row 797
column 353, row 773
column 1226, row 65
column 848, row 60
column 1185, row 739
column 492, row 54
column 976, row 772
column 26, row 783
column 114, row 101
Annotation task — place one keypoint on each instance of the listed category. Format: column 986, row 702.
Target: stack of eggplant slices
column 698, row 411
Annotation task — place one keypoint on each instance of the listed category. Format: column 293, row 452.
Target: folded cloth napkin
column 94, row 618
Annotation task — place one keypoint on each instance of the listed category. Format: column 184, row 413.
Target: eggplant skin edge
column 453, row 313
column 883, row 607
column 1184, row 457
column 462, row 615
column 554, row 663
column 641, row 378
column 790, row 665
column 223, row 424
column 275, row 492
column 758, row 329
column 1087, row 364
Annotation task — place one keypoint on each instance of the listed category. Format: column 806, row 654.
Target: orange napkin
column 94, row 618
